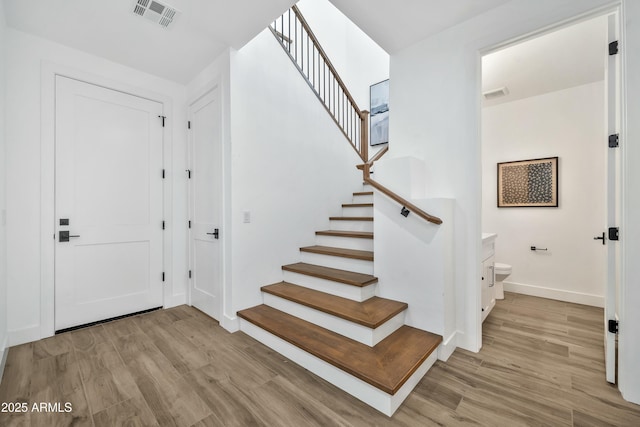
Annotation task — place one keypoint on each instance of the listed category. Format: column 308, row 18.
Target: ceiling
column 569, row 57
column 108, row 28
column 395, row 25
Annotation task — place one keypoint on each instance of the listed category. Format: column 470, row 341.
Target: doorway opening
column 551, row 96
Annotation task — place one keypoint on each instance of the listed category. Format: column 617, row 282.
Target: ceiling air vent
column 495, row 93
column 154, row 11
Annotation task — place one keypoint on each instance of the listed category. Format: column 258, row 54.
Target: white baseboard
column 175, row 300
column 448, row 346
column 230, row 324
column 3, row 356
column 557, row 294
column 25, row 335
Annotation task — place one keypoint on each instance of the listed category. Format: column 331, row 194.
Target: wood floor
column 541, row 364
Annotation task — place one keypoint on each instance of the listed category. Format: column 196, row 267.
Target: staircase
column 326, row 317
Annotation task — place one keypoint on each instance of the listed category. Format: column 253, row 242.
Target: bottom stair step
column 386, row 366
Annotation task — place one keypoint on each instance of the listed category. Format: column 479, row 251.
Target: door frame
column 614, row 9
column 49, row 72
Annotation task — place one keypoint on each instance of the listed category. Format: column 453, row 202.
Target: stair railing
column 302, row 46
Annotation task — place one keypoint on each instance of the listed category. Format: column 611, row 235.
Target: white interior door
column 613, row 199
column 108, row 199
column 205, row 203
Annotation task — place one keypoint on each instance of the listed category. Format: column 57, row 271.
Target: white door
column 205, row 203
column 613, row 199
column 108, row 201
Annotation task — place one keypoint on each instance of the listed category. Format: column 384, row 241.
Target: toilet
column 502, row 271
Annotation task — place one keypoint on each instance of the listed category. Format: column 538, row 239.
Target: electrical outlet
column 246, row 217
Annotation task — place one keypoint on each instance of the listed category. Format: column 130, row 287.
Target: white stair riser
column 352, row 225
column 354, row 293
column 363, row 199
column 345, row 242
column 341, row 263
column 355, row 331
column 357, row 211
column 376, row 398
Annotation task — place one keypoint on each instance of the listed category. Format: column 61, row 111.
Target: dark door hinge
column 613, row 48
column 613, row 326
column 614, row 233
column 188, row 173
column 614, row 140
column 189, row 124
column 162, row 173
column 189, row 274
column 163, row 225
column 189, row 224
column 163, row 119
column 163, row 276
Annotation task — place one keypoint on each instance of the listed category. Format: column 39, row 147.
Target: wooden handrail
column 413, row 208
column 379, row 155
column 324, row 56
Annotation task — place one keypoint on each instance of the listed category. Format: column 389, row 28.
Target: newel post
column 364, row 136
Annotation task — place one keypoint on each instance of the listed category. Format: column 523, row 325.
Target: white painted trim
column 230, row 324
column 448, row 346
column 341, row 263
column 4, row 355
column 556, row 294
column 175, row 300
column 49, row 71
column 24, row 335
column 372, row 396
column 355, row 331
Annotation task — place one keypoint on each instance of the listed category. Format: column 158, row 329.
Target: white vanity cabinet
column 488, row 274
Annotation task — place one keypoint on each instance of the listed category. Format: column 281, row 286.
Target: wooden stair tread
column 341, row 233
column 339, row 252
column 386, row 366
column 363, row 193
column 370, row 313
column 351, row 218
column 342, row 276
column 357, row 205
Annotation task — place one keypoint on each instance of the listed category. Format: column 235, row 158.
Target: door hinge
column 189, row 224
column 614, row 233
column 189, row 274
column 163, row 119
column 613, row 326
column 163, row 276
column 189, row 124
column 613, row 48
column 162, row 173
column 188, row 171
column 163, row 225
column 614, row 140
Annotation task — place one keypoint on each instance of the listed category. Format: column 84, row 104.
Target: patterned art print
column 528, row 183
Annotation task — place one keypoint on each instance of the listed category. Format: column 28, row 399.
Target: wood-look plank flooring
column 541, row 364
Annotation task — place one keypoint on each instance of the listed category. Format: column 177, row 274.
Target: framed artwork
column 379, row 119
column 528, row 183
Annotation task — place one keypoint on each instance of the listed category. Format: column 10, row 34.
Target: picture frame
column 528, row 183
column 379, row 113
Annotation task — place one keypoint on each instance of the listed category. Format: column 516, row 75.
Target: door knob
column 63, row 235
column 603, row 238
column 215, row 234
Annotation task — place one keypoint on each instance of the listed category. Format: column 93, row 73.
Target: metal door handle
column 603, row 238
column 63, row 235
column 215, row 234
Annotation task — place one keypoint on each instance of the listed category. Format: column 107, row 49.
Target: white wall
column 3, row 243
column 291, row 166
column 358, row 59
column 568, row 124
column 436, row 103
column 25, row 56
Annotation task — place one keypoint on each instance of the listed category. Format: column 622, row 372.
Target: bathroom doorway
column 546, row 97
